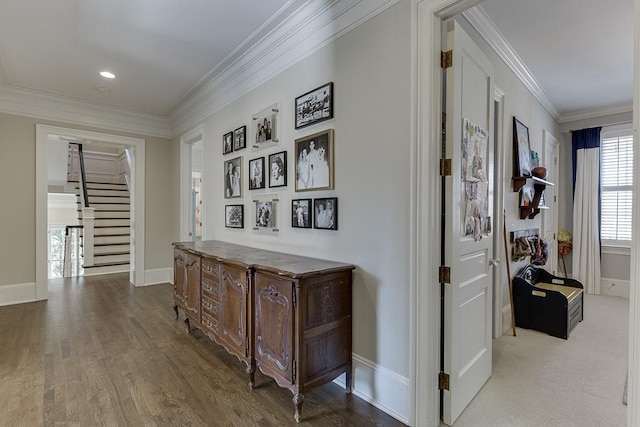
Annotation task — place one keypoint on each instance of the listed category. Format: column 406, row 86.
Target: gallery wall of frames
column 304, row 165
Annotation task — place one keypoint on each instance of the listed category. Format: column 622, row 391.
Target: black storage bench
column 547, row 303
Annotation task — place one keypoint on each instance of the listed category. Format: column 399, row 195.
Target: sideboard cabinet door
column 192, row 291
column 180, row 276
column 274, row 327
column 234, row 293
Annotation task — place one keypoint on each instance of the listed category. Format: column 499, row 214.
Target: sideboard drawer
column 210, row 269
column 211, row 289
column 210, row 307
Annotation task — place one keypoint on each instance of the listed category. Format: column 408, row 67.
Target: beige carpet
column 539, row 380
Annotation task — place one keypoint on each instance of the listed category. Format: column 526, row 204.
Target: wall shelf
column 539, row 185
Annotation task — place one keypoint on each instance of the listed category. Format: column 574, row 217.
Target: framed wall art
column 233, row 178
column 240, row 138
column 278, row 169
column 521, row 149
column 325, row 213
column 315, row 106
column 265, row 128
column 256, row 174
column 227, row 143
column 266, row 214
column 301, row 213
column 314, row 161
column 234, row 216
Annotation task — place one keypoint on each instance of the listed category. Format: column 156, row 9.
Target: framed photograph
column 240, row 138
column 521, row 149
column 266, row 218
column 233, row 178
column 314, row 161
column 278, row 169
column 265, row 128
column 315, row 106
column 325, row 213
column 227, row 143
column 301, row 213
column 264, row 214
column 256, row 174
column 234, row 216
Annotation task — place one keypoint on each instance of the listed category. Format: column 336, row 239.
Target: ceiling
column 162, row 51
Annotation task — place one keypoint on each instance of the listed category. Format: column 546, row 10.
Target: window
column 56, row 251
column 616, row 181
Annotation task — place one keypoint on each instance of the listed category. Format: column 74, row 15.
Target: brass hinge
column 446, row 59
column 293, row 291
column 445, row 167
column 294, row 370
column 443, row 381
column 246, row 345
column 444, row 274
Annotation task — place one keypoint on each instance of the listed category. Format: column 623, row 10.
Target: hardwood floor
column 101, row 352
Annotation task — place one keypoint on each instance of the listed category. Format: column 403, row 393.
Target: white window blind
column 616, row 180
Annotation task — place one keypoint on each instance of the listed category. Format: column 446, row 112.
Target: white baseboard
column 506, row 319
column 381, row 387
column 17, row 294
column 615, row 287
column 158, row 276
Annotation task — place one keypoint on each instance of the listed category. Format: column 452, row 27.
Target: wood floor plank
column 101, row 352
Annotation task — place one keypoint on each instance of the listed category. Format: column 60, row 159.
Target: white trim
column 479, row 19
column 311, row 27
column 595, row 113
column 17, row 294
column 506, row 319
column 43, row 133
column 157, row 276
column 381, row 387
column 41, row 105
column 615, row 287
column 499, row 160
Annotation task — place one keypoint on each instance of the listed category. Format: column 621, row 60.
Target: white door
column 550, row 216
column 468, row 230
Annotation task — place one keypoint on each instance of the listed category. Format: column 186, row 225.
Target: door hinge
column 293, row 292
column 294, row 370
column 246, row 345
column 248, row 284
column 444, row 275
column 445, row 167
column 446, row 59
column 443, row 381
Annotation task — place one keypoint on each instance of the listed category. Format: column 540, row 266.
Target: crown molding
column 596, row 112
column 479, row 20
column 42, row 105
column 310, row 27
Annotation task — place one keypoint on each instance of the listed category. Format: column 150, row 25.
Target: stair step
column 110, row 231
column 110, row 214
column 111, row 222
column 110, row 248
column 106, row 186
column 106, row 268
column 101, row 259
column 93, row 200
column 113, row 239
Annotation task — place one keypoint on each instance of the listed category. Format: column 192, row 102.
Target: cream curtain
column 586, row 220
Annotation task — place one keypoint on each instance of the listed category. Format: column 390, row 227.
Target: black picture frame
column 233, row 178
column 325, row 213
column 227, row 143
column 234, row 216
column 278, row 169
column 301, row 213
column 314, row 161
column 240, row 138
column 521, row 149
column 256, row 174
column 314, row 106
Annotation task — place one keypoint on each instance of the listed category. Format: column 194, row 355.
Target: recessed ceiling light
column 107, row 75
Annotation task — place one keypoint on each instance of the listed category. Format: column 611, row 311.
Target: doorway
column 191, row 185
column 137, row 146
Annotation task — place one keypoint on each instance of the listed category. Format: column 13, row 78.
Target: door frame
column 499, row 183
column 186, row 142
column 427, row 17
column 43, row 132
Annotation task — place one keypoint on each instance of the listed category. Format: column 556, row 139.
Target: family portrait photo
column 234, row 216
column 227, row 143
column 264, row 128
column 240, row 138
column 301, row 213
column 264, row 214
column 314, row 106
column 233, row 178
column 521, row 149
column 256, row 174
column 326, row 213
column 278, row 169
column 314, row 161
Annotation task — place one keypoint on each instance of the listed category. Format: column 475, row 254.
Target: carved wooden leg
column 186, row 322
column 298, row 400
column 348, row 381
column 175, row 308
column 251, row 370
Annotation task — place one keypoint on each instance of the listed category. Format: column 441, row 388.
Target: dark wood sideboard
column 287, row 315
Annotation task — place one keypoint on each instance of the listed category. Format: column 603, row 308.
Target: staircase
column 111, row 251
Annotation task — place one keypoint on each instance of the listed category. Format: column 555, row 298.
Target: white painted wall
column 57, row 164
column 62, row 209
column 370, row 68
